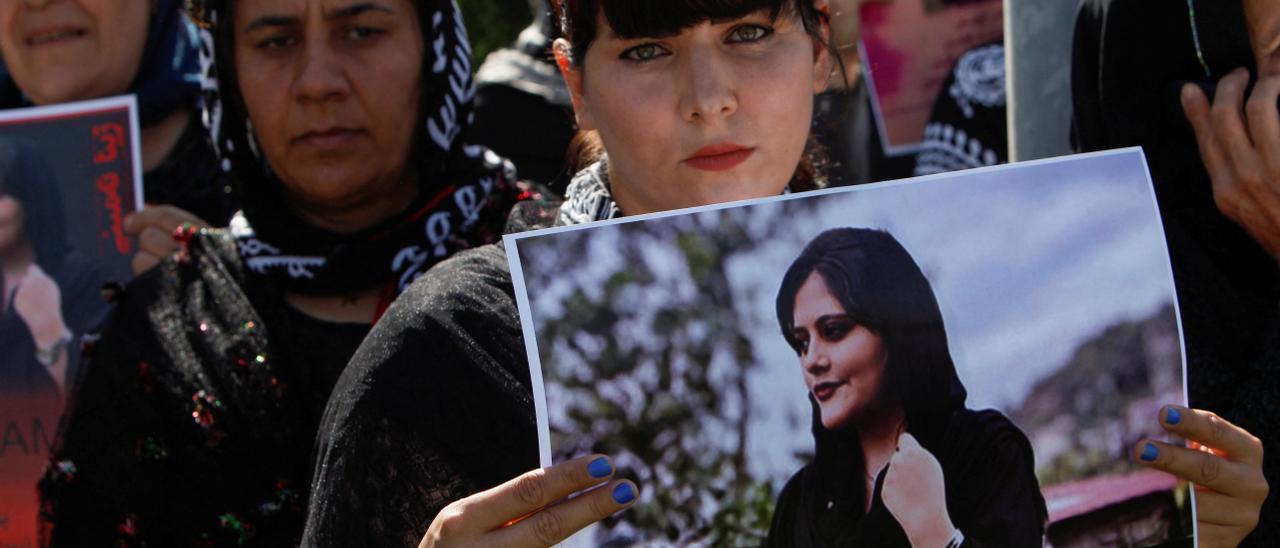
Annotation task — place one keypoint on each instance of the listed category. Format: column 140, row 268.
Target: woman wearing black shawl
column 899, row 460
column 343, row 125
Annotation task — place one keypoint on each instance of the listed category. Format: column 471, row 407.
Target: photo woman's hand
column 915, row 493
column 38, row 301
column 533, row 509
column 1225, row 464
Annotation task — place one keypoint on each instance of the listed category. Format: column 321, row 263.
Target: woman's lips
column 824, row 390
column 329, row 139
column 719, row 157
column 49, row 37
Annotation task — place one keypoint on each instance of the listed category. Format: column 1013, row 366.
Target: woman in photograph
column 343, row 125
column 898, row 458
column 75, row 50
column 682, row 104
column 50, row 296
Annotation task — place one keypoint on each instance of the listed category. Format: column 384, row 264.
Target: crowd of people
column 322, row 345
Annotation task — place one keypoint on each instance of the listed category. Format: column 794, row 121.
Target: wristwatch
column 48, row 357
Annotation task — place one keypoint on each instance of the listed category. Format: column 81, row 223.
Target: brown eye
column 800, row 342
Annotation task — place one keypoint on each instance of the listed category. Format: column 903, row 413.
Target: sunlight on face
column 719, row 112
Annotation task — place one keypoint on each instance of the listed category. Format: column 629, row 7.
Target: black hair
column 640, row 18
column 577, row 20
column 26, row 177
column 879, row 285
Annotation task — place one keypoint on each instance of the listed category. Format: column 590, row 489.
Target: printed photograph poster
column 69, row 174
column 910, row 46
column 1000, row 337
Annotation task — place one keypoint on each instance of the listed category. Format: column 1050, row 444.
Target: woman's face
column 719, row 112
column 843, row 361
column 11, row 221
column 72, row 50
column 333, row 89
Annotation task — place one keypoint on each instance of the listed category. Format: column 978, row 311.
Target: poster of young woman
column 974, row 352
column 909, row 47
column 68, row 176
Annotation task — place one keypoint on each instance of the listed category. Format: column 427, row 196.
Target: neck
column 158, row 139
column 879, row 436
column 629, row 203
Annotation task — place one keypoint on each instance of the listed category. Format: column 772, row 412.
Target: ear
column 822, row 61
column 574, row 81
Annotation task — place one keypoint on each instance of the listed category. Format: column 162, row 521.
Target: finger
column 535, row 490
column 1228, row 121
column 1204, row 469
column 557, row 523
column 1264, row 119
column 156, row 242
column 1210, row 430
column 1197, row 108
column 143, row 262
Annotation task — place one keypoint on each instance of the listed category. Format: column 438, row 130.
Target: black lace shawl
column 195, row 415
column 1130, row 60
column 434, row 406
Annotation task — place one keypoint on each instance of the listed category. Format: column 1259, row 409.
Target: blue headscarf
column 169, row 77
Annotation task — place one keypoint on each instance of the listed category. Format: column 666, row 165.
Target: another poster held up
column 69, row 174
column 909, row 48
column 1011, row 331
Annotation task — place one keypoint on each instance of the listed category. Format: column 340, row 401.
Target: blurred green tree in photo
column 494, row 24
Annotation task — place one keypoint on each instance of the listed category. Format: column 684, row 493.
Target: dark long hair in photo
column 991, row 489
column 27, row 178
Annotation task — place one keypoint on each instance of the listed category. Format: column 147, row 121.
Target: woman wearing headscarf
column 58, row 51
column 343, row 124
column 899, row 460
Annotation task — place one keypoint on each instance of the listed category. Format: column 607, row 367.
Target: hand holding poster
column 69, row 175
column 814, row 366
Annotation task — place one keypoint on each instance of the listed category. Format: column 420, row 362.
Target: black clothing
column 189, row 178
column 195, row 416
column 1130, row 59
column 20, row 372
column 968, row 125
column 844, row 125
column 990, row 483
column 437, row 404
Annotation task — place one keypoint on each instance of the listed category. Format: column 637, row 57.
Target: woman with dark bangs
column 682, row 104
column 899, row 460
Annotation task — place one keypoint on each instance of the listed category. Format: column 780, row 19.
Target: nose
column 815, row 360
column 709, row 93
column 320, row 75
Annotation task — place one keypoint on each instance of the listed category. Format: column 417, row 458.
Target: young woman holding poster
column 686, row 104
column 898, row 458
column 342, row 122
column 59, row 51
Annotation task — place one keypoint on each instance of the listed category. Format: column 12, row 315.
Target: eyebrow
column 342, row 13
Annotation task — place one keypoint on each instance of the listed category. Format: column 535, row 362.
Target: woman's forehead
column 295, row 10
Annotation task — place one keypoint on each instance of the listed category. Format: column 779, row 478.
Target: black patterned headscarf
column 465, row 190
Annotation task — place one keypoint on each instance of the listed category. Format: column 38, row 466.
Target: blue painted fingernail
column 624, row 493
column 600, row 468
column 1173, row 416
column 1149, row 453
